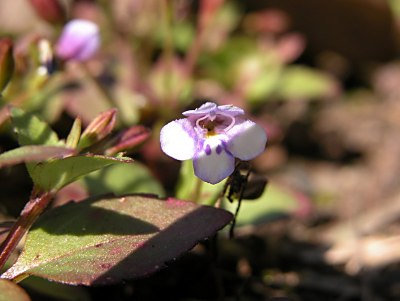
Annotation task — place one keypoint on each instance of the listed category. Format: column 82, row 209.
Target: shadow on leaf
column 87, row 218
column 169, row 243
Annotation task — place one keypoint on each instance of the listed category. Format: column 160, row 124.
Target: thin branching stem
column 36, row 205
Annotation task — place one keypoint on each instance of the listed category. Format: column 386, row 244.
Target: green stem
column 197, row 190
column 31, row 211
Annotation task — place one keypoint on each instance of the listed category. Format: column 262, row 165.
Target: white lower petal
column 246, row 140
column 178, row 139
column 215, row 164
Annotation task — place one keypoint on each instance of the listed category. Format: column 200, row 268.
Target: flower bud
column 6, row 62
column 99, row 128
column 79, row 40
column 128, row 139
column 49, row 10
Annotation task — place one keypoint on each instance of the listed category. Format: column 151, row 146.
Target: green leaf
column 183, row 33
column 106, row 240
column 75, row 134
column 9, row 291
column 265, row 84
column 274, row 202
column 31, row 130
column 32, row 153
column 298, row 82
column 123, row 179
column 54, row 174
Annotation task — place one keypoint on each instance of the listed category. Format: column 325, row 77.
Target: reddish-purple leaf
column 106, row 240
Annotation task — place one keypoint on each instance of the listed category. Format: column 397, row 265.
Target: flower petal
column 204, row 109
column 213, row 163
column 178, row 139
column 230, row 110
column 247, row 140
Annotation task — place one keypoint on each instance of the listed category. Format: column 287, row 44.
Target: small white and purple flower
column 79, row 40
column 213, row 136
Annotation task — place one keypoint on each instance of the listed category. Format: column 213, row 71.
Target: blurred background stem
column 168, row 48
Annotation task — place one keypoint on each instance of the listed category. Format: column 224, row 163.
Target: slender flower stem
column 31, row 211
column 197, row 190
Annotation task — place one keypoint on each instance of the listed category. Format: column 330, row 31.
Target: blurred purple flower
column 213, row 136
column 79, row 40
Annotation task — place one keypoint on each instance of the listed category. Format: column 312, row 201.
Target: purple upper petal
column 207, row 108
column 230, row 110
column 79, row 40
column 211, row 108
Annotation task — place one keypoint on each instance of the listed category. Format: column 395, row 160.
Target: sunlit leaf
column 74, row 134
column 31, row 130
column 32, row 153
column 54, row 174
column 106, row 240
column 9, row 291
column 123, row 179
column 264, row 82
column 298, row 82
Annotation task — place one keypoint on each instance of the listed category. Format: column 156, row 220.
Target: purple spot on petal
column 208, row 150
column 225, row 147
column 219, row 149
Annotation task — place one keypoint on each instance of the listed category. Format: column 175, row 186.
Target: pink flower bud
column 49, row 10
column 79, row 40
column 6, row 62
column 99, row 128
column 128, row 139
